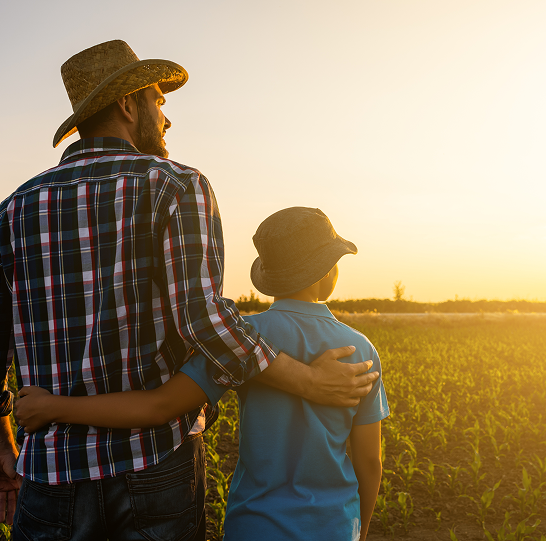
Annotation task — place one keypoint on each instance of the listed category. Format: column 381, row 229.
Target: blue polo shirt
column 294, row 480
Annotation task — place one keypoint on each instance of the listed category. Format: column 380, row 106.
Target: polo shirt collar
column 97, row 145
column 302, row 307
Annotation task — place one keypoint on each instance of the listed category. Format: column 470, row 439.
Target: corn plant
column 527, row 498
column 438, row 515
column 475, row 466
column 220, row 482
column 5, row 532
column 483, row 503
column 405, row 505
column 540, row 467
column 229, row 414
column 430, row 479
column 521, row 533
column 406, row 472
column 381, row 511
column 452, row 473
column 475, row 432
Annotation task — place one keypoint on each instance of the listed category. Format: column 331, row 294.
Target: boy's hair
column 297, row 247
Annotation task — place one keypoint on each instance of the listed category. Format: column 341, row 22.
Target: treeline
column 386, row 306
column 251, row 304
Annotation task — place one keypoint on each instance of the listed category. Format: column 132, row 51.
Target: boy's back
column 294, row 480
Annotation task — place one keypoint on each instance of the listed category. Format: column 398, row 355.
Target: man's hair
column 103, row 117
column 99, row 119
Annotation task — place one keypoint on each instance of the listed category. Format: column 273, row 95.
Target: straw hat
column 100, row 75
column 297, row 247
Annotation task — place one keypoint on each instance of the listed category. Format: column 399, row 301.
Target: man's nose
column 167, row 124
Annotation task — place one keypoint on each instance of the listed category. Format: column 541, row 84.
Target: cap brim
column 148, row 72
column 287, row 281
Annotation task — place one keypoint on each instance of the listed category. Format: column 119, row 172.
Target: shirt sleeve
column 203, row 374
column 373, row 407
column 193, row 249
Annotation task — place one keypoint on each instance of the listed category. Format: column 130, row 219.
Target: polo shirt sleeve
column 210, row 325
column 373, row 407
column 203, row 373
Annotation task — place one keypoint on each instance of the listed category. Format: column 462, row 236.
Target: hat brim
column 288, row 281
column 168, row 75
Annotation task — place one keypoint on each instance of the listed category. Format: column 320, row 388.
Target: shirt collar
column 302, row 307
column 98, row 145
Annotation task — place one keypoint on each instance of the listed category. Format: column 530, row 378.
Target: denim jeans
column 165, row 502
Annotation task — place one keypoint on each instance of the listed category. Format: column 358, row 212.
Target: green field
column 465, row 446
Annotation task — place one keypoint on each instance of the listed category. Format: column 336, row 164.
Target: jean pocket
column 164, row 502
column 45, row 511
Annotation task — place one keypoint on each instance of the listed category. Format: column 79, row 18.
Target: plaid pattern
column 112, row 275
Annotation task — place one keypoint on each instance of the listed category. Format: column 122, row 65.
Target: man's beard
column 149, row 139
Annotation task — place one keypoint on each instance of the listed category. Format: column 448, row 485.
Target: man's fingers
column 360, row 368
column 3, row 496
column 12, row 503
column 345, row 351
column 363, row 391
column 22, row 392
column 337, row 353
column 369, row 377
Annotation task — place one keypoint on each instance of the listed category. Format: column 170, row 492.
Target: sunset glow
column 417, row 127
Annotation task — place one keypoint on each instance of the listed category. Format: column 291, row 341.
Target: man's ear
column 127, row 107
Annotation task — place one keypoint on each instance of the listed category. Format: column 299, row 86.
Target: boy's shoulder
column 283, row 321
column 356, row 338
column 267, row 318
column 351, row 330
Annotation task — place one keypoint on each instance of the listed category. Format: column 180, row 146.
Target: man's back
column 83, row 247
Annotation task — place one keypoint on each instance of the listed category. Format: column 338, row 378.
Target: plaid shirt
column 112, row 275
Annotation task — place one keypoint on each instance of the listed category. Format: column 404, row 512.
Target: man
column 112, row 276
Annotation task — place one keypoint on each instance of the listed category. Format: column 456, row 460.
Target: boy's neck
column 318, row 292
column 304, row 295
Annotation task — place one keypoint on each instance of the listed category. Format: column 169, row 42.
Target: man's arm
column 212, row 325
column 366, row 459
column 37, row 407
column 193, row 255
column 10, row 482
column 324, row 381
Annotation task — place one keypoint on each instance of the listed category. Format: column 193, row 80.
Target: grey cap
column 297, row 247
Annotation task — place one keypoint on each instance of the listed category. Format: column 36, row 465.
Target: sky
column 417, row 126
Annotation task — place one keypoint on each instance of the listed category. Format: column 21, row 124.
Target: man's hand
column 32, row 410
column 337, row 383
column 325, row 381
column 10, row 482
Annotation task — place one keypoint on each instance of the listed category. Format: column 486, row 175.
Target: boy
column 294, row 480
